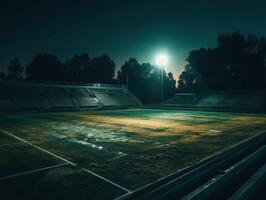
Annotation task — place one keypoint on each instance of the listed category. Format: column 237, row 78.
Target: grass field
column 104, row 154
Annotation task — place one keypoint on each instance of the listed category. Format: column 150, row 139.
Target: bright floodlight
column 161, row 60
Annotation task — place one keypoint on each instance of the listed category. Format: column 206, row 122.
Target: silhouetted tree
column 238, row 62
column 144, row 80
column 96, row 70
column 171, row 85
column 45, row 67
column 102, row 69
column 78, row 69
column 129, row 72
column 190, row 81
column 15, row 70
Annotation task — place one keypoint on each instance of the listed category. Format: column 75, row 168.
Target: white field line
column 123, row 195
column 119, row 157
column 67, row 161
column 37, row 147
column 33, row 171
column 101, row 177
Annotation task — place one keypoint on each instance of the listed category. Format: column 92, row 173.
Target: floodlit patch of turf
column 136, row 146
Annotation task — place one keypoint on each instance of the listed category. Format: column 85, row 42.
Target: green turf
column 137, row 146
column 20, row 158
column 6, row 140
column 63, row 183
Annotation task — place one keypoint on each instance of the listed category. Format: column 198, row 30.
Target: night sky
column 122, row 29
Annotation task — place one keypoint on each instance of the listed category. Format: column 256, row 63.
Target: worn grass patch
column 136, row 146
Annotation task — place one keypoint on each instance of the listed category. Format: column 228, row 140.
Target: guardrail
column 180, row 184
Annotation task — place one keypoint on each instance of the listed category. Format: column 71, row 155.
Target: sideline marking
column 37, row 147
column 119, row 157
column 101, row 177
column 33, row 171
column 67, row 161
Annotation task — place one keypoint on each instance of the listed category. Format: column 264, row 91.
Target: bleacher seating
column 106, row 97
column 217, row 100
column 84, row 97
column 29, row 97
column 233, row 99
column 59, row 97
column 114, row 97
column 123, row 97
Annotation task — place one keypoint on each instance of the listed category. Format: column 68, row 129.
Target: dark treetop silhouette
column 80, row 68
column 15, row 70
column 237, row 63
column 143, row 79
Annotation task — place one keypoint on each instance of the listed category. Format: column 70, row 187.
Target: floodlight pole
column 161, row 84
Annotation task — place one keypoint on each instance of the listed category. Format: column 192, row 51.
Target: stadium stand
column 235, row 99
column 46, row 96
column 106, row 97
column 114, row 97
column 59, row 97
column 246, row 101
column 29, row 97
column 123, row 97
column 84, row 97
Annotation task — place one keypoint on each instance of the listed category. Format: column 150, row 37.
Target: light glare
column 161, row 60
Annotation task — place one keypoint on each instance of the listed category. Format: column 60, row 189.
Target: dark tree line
column 79, row 68
column 237, row 63
column 15, row 71
column 144, row 80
